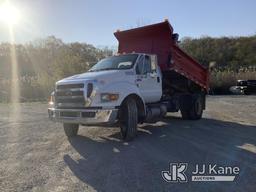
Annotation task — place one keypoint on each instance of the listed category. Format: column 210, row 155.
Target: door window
column 139, row 67
column 144, row 65
column 147, row 65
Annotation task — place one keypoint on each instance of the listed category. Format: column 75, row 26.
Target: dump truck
column 148, row 77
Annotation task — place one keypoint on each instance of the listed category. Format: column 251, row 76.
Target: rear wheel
column 128, row 119
column 70, row 129
column 192, row 107
column 196, row 110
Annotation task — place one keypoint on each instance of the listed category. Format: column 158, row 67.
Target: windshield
column 115, row 63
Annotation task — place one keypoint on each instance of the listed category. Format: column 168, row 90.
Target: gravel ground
column 36, row 155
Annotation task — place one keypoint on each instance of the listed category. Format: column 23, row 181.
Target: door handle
column 138, row 80
column 158, row 79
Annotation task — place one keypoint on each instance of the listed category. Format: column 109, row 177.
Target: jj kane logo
column 212, row 172
column 176, row 173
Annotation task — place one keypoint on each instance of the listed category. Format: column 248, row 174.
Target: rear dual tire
column 192, row 107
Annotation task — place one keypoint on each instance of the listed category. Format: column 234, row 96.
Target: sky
column 94, row 21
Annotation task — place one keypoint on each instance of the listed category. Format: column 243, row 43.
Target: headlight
column 52, row 98
column 107, row 97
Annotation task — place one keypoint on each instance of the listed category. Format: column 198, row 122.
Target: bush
column 41, row 63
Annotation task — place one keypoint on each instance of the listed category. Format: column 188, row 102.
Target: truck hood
column 97, row 75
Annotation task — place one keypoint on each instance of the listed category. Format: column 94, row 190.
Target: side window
column 139, row 67
column 144, row 65
column 147, row 65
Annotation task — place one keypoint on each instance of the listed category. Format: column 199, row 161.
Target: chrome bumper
column 83, row 116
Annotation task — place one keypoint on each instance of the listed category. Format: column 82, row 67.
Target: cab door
column 148, row 78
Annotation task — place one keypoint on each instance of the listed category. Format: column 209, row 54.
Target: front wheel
column 128, row 119
column 70, row 129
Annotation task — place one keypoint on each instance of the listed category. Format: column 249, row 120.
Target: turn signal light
column 106, row 97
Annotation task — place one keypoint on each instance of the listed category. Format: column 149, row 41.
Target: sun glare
column 9, row 14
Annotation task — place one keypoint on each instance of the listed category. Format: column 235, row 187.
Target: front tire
column 128, row 119
column 70, row 129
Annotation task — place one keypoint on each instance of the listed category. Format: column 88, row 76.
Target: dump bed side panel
column 157, row 39
column 188, row 67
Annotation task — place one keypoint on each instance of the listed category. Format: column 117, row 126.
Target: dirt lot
column 36, row 155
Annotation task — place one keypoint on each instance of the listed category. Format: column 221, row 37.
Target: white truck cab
column 117, row 88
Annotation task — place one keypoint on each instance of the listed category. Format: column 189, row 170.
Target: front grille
column 70, row 86
column 69, row 114
column 70, row 96
column 74, row 93
column 88, row 114
column 70, row 100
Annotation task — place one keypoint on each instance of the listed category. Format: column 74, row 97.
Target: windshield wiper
column 105, row 69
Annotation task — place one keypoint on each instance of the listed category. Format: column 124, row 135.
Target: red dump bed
column 157, row 39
